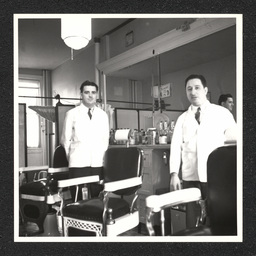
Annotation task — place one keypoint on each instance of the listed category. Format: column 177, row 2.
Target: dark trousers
column 193, row 209
column 93, row 188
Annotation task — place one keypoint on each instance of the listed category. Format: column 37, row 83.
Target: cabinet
column 156, row 176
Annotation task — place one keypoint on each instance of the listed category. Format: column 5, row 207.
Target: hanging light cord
column 72, row 53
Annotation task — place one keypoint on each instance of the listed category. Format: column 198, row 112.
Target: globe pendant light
column 76, row 30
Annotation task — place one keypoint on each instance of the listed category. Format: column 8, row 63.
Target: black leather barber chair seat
column 108, row 215
column 38, row 196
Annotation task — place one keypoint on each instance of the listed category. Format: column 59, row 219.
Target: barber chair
column 38, row 197
column 221, row 204
column 109, row 214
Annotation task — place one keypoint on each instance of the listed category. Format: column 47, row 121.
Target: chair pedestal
column 50, row 225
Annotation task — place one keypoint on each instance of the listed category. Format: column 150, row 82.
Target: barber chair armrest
column 58, row 170
column 159, row 202
column 33, row 168
column 43, row 169
column 74, row 182
column 127, row 183
column 78, row 181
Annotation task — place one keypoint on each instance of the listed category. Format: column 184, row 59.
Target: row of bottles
column 152, row 136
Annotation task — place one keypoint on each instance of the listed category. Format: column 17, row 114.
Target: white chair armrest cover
column 121, row 184
column 78, row 181
column 156, row 202
column 56, row 170
column 33, row 168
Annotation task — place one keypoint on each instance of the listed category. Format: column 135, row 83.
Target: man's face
column 89, row 96
column 196, row 92
column 229, row 104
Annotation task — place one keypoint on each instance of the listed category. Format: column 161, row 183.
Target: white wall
column 67, row 78
column 121, row 89
column 33, row 72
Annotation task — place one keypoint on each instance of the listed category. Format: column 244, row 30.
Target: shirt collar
column 202, row 107
column 86, row 108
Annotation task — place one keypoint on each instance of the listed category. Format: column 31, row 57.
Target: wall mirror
column 211, row 41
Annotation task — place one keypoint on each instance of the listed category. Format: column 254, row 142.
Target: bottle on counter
column 167, row 132
column 163, row 132
column 132, row 137
column 136, row 136
column 151, row 136
column 140, row 134
column 157, row 137
column 154, row 136
column 143, row 137
column 165, row 127
column 112, row 137
column 161, row 128
column 172, row 125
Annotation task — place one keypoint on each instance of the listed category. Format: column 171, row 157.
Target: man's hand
column 174, row 182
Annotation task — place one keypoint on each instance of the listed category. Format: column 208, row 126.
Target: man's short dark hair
column 224, row 97
column 195, row 76
column 87, row 82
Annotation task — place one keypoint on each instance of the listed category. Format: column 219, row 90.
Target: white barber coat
column 192, row 143
column 85, row 140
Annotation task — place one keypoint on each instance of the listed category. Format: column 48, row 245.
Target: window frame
column 39, row 80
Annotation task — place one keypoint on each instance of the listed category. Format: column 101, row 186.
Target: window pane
column 31, row 88
column 32, row 129
column 29, row 84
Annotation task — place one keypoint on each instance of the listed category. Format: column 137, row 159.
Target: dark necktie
column 89, row 113
column 197, row 115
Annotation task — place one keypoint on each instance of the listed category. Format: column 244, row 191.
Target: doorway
column 29, row 92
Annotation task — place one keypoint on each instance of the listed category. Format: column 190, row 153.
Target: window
column 31, row 89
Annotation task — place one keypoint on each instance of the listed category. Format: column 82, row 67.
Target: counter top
column 146, row 146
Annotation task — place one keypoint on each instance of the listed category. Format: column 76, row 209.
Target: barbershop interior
column 139, row 65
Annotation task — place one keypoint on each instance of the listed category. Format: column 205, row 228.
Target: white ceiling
column 40, row 44
column 41, row 47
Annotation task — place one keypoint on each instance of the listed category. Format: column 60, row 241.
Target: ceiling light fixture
column 76, row 30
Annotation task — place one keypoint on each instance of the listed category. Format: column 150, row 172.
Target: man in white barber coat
column 198, row 131
column 85, row 136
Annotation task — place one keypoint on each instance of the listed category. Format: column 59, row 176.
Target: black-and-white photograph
column 128, row 127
